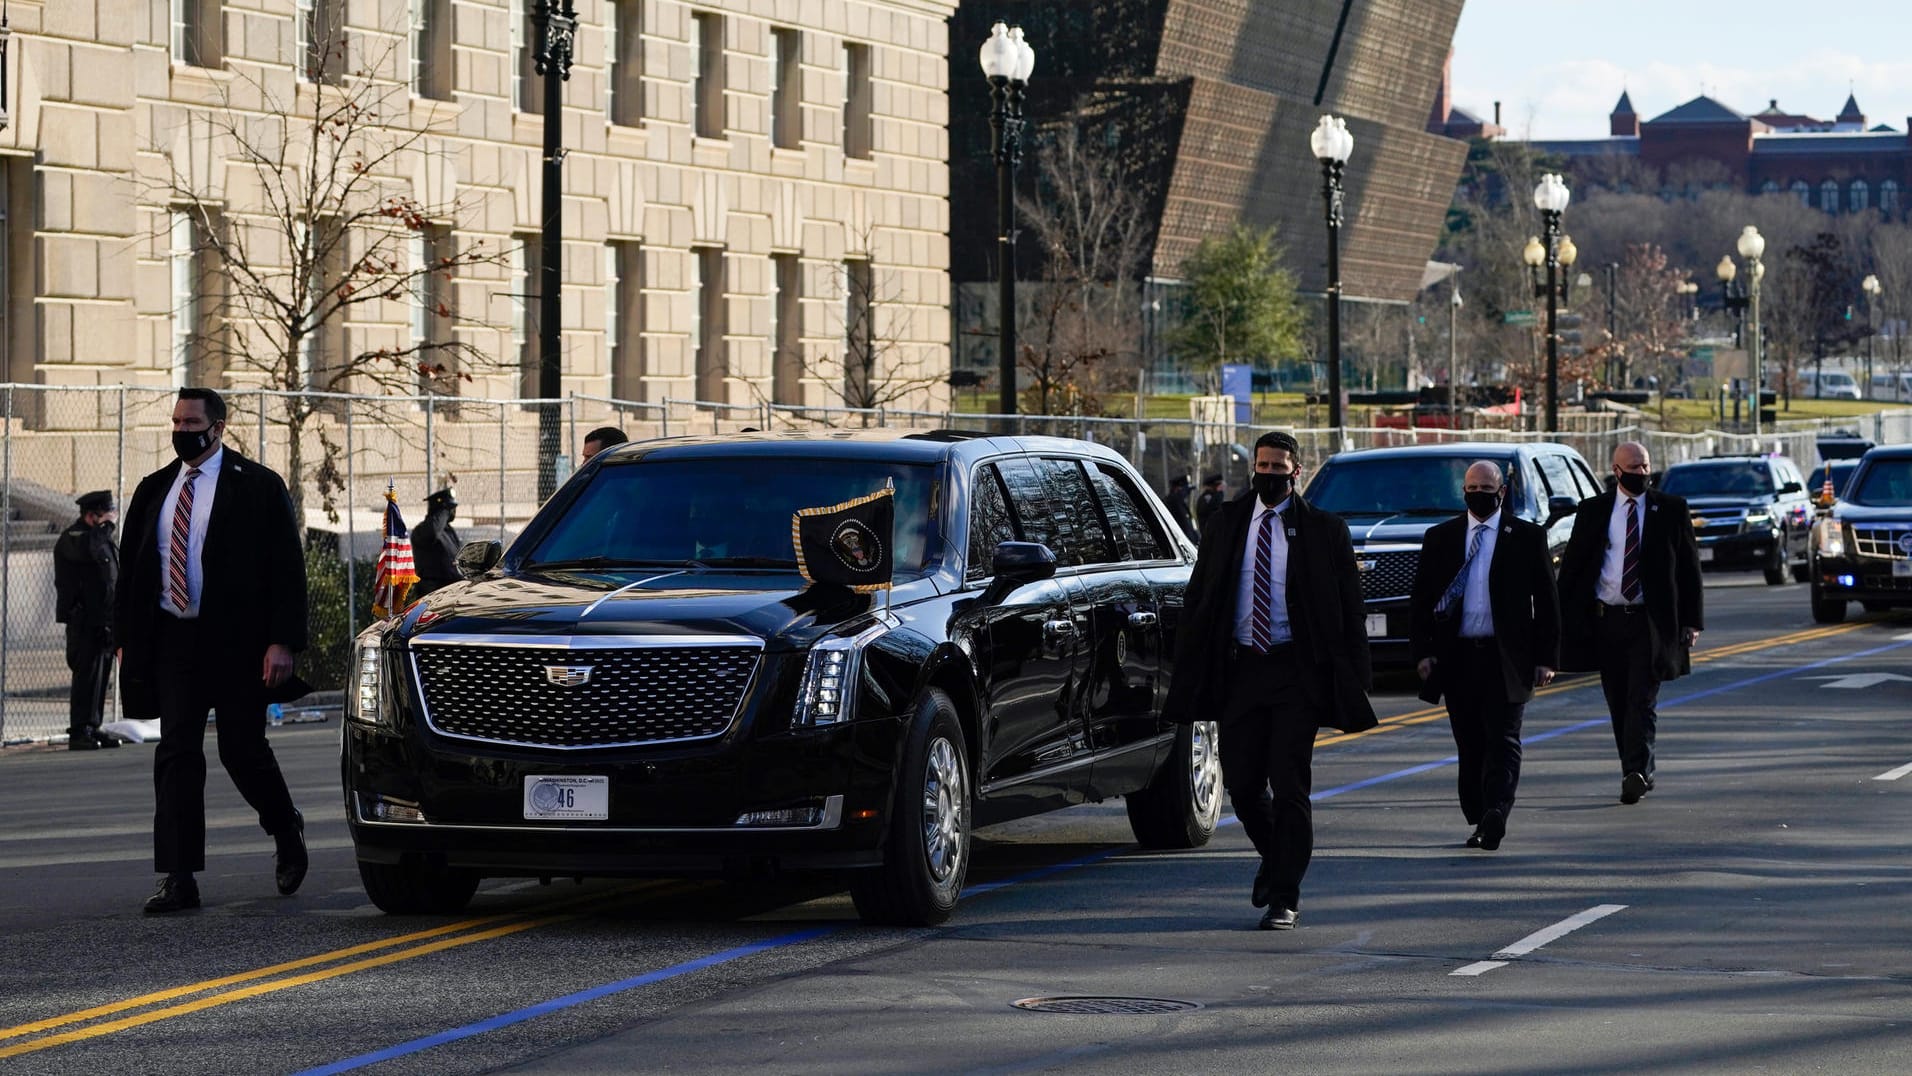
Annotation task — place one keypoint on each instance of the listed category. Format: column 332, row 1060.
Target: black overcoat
column 1520, row 589
column 1669, row 578
column 1324, row 607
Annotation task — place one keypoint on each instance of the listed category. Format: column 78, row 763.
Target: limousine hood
column 1364, row 527
column 778, row 608
column 1847, row 512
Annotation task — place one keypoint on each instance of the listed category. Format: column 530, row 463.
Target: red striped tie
column 182, row 538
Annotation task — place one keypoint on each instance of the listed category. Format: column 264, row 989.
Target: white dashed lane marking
column 1539, row 938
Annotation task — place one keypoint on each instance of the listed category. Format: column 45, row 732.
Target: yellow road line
column 260, row 989
column 1421, row 717
column 170, row 993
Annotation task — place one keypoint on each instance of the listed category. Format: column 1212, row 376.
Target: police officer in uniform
column 85, row 568
column 1209, row 500
column 435, row 544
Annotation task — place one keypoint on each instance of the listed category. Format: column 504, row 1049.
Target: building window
column 321, row 29
column 707, row 89
column 786, row 329
column 527, row 86
column 1858, row 196
column 624, row 45
column 786, row 88
column 195, row 294
column 859, row 333
column 624, row 318
column 857, row 100
column 433, row 256
column 707, row 326
column 1829, row 196
column 432, row 71
column 1803, row 191
column 525, row 281
column 1889, row 197
column 198, row 32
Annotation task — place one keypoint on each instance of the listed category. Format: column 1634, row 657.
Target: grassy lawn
column 1694, row 414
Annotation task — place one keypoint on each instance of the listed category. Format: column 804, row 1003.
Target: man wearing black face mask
column 85, row 566
column 1631, row 605
column 211, row 607
column 1486, row 633
column 1273, row 645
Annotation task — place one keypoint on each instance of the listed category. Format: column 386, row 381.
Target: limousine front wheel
column 926, row 856
column 414, row 886
column 1184, row 805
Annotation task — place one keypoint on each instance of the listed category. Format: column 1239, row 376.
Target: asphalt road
column 1751, row 914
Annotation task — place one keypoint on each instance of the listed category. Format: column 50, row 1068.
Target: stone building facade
column 739, row 176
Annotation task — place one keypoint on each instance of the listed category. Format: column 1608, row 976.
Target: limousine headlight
column 828, row 693
column 368, row 686
column 1828, row 537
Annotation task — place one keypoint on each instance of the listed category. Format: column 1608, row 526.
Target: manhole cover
column 1102, row 1006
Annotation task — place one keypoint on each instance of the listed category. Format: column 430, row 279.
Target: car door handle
column 1058, row 629
column 1142, row 620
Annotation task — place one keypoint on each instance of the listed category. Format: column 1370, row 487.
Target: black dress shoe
column 1492, row 828
column 1473, row 839
column 176, row 893
column 1280, row 918
column 291, row 858
column 82, row 741
column 1633, row 786
column 104, row 740
column 1260, row 894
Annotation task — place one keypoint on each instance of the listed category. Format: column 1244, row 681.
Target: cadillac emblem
column 568, row 675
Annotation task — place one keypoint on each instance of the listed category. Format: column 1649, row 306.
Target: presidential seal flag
column 848, row 544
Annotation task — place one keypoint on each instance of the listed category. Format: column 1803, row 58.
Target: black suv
column 1863, row 551
column 644, row 683
column 1748, row 512
column 1391, row 496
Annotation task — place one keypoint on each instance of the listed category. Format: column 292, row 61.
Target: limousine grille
column 1387, row 574
column 596, row 696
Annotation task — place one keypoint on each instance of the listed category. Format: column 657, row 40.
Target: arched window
column 1829, row 196
column 1858, row 196
column 1889, row 197
column 1771, row 186
column 1804, row 190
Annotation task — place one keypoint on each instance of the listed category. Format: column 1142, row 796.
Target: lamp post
column 1453, row 347
column 1751, row 246
column 557, row 24
column 1556, row 254
column 1332, row 145
column 1871, row 287
column 1007, row 62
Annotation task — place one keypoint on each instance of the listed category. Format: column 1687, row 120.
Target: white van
column 1892, row 386
column 1827, row 385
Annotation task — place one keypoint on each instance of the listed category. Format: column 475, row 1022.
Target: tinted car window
column 1029, row 501
column 990, row 523
column 1085, row 540
column 1558, row 476
column 1136, row 534
column 730, row 509
column 1589, row 486
column 1883, row 484
column 1417, row 485
column 1724, row 477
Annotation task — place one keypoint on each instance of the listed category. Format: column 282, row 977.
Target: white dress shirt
column 203, row 488
column 1277, row 577
column 1614, row 564
column 1477, row 609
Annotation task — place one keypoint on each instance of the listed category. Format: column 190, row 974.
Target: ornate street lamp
column 1556, row 253
column 1007, row 62
column 1332, row 145
column 1872, row 288
column 1751, row 247
column 557, row 32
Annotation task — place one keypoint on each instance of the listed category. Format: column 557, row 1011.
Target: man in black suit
column 211, row 607
column 1486, row 632
column 1631, row 604
column 1273, row 644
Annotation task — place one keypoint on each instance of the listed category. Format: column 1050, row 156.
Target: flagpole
column 890, row 484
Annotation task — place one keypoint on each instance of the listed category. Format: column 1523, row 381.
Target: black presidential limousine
column 644, row 683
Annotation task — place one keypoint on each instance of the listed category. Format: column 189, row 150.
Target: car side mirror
column 1791, row 487
column 1560, row 506
column 477, row 558
column 1020, row 563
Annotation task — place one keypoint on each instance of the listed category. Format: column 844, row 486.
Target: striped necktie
column 182, row 532
column 1451, row 598
column 1630, row 565
column 1263, row 624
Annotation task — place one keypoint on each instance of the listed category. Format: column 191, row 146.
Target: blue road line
column 781, row 941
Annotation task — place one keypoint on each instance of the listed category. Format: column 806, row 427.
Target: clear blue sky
column 1558, row 66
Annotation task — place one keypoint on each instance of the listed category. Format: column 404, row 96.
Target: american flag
column 395, row 571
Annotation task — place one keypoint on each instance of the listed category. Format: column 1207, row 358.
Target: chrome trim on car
column 582, row 642
column 832, row 819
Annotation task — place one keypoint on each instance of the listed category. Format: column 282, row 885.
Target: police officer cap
column 100, row 500
column 442, row 497
column 1210, row 480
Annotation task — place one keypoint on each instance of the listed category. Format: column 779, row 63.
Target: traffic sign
column 1518, row 317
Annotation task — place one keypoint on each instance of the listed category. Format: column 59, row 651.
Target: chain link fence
column 340, row 453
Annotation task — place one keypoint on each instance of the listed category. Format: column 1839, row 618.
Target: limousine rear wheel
column 926, row 856
column 414, row 886
column 1184, row 805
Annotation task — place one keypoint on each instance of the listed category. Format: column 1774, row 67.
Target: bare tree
column 314, row 220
